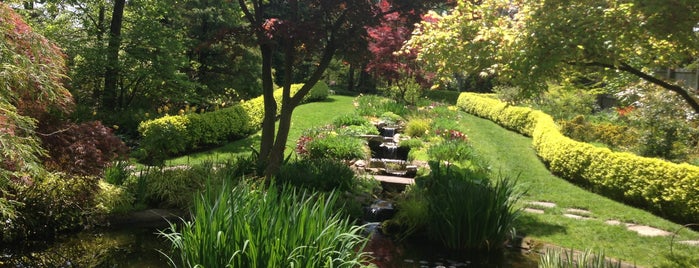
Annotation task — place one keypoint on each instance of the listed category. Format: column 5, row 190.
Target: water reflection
column 132, row 247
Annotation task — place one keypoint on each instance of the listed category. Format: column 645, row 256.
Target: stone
column 613, row 222
column 578, row 211
column 543, row 204
column 577, row 217
column 644, row 230
column 690, row 242
column 534, row 210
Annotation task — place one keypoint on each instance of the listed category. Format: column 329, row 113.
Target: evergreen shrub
column 174, row 134
column 663, row 187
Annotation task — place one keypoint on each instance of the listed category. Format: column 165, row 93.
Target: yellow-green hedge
column 666, row 188
column 174, row 134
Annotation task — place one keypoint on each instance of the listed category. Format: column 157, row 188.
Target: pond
column 141, row 247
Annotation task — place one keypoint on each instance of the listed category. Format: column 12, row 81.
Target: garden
column 369, row 138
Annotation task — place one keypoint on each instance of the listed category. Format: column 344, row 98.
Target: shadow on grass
column 530, row 225
column 230, row 150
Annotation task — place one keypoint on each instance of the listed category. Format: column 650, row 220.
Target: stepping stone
column 543, row 204
column 575, row 216
column 613, row 222
column 534, row 210
column 576, row 211
column 690, row 242
column 647, row 230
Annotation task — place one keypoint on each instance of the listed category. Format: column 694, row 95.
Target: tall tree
column 111, row 74
column 308, row 31
column 530, row 42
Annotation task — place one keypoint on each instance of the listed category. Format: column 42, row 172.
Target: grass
column 245, row 226
column 304, row 117
column 511, row 153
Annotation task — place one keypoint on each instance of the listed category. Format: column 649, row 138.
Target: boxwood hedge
column 665, row 188
column 174, row 134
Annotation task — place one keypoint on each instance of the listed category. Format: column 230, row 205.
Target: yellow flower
column 115, row 127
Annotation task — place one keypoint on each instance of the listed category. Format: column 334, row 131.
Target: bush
column 417, row 127
column 445, row 96
column 245, row 226
column 350, row 119
column 81, row 149
column 319, row 92
column 358, row 130
column 372, row 105
column 112, row 199
column 172, row 135
column 51, row 205
column 660, row 186
column 317, row 174
column 337, row 147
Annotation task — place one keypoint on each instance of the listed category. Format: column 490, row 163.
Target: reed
column 248, row 226
column 469, row 214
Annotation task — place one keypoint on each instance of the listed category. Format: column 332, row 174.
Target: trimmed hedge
column 665, row 188
column 173, row 134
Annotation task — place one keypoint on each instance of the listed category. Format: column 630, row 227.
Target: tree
column 309, row 31
column 31, row 83
column 530, row 42
column 388, row 63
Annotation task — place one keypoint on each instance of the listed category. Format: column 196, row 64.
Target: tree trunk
column 268, row 127
column 111, row 74
column 350, row 78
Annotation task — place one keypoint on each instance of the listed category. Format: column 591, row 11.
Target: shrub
column 350, row 119
column 172, row 135
column 411, row 143
column 81, row 149
column 372, row 105
column 112, row 199
column 417, row 127
column 317, row 174
column 391, row 118
column 358, row 130
column 445, row 96
column 660, row 186
column 337, row 147
column 319, row 92
column 50, row 206
column 245, row 226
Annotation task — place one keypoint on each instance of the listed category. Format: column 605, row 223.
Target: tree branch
column 684, row 94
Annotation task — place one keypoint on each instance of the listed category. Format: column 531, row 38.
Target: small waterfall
column 388, row 132
column 390, row 150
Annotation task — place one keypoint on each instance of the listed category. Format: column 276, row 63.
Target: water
column 419, row 254
column 128, row 247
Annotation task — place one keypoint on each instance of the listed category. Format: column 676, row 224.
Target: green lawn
column 304, row 117
column 511, row 153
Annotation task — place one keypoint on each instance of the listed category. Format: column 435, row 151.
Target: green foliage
column 445, row 96
column 569, row 259
column 320, row 174
column 319, row 92
column 406, row 90
column 391, row 118
column 350, row 119
column 565, row 103
column 171, row 135
column 660, row 186
column 468, row 213
column 358, row 130
column 31, row 84
column 616, row 136
column 337, row 147
column 372, row 105
column 50, row 206
column 411, row 143
column 246, row 226
column 117, row 173
column 113, row 199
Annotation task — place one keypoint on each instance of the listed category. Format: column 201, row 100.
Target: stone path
column 540, row 207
